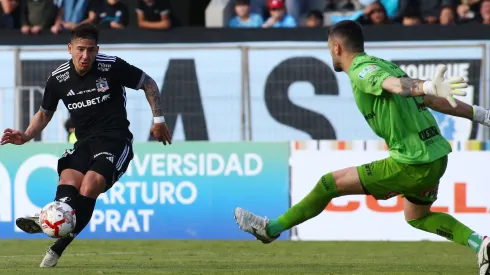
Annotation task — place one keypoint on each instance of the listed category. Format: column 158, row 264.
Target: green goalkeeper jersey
column 409, row 129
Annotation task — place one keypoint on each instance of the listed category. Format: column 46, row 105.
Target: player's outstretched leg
column 331, row 185
column 420, row 217
column 93, row 184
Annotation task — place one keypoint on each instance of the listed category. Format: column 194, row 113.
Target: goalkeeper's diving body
column 395, row 107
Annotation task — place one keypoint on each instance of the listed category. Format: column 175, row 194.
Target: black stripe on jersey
column 63, row 67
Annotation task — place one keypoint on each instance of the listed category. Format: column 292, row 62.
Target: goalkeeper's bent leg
column 312, row 205
column 448, row 227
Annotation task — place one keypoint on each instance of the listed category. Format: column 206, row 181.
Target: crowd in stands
column 296, row 13
column 35, row 16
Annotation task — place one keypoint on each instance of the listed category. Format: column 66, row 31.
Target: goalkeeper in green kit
column 395, row 107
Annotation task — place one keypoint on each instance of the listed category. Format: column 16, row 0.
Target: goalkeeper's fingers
column 458, row 92
column 456, row 79
column 459, row 85
column 452, row 101
column 439, row 75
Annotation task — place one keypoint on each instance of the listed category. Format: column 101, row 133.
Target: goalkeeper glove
column 446, row 88
column 481, row 115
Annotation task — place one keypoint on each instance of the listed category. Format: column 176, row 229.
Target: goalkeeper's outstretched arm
column 475, row 113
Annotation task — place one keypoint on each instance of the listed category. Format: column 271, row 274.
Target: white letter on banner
column 146, row 213
column 174, row 161
column 112, row 218
column 191, row 187
column 209, row 164
column 249, row 158
column 117, row 192
column 130, row 220
column 158, row 165
column 97, row 218
column 141, row 167
column 233, row 165
column 23, row 205
column 144, row 193
column 190, row 165
column 5, row 195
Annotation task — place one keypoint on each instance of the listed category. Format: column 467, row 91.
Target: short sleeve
column 290, row 22
column 141, row 6
column 129, row 75
column 164, row 7
column 369, row 78
column 50, row 96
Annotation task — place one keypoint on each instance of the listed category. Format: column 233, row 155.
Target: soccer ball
column 57, row 219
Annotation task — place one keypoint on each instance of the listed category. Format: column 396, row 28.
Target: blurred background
column 253, row 103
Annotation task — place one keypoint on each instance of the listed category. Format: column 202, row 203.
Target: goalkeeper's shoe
column 483, row 257
column 254, row 225
column 50, row 259
column 29, row 224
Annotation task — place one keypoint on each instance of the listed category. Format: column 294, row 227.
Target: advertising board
column 185, row 191
column 462, row 193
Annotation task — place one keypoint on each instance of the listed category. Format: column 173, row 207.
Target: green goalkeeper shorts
column 387, row 178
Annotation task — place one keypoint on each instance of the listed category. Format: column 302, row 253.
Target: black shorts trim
column 417, row 201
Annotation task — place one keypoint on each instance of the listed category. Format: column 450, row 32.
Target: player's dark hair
column 85, row 31
column 351, row 34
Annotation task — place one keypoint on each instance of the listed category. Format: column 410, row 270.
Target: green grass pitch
column 240, row 257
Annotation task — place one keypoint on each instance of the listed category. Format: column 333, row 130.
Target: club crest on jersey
column 366, row 70
column 102, row 85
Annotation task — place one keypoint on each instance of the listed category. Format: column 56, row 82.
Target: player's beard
column 336, row 66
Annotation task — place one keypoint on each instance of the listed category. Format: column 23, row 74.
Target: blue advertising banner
column 182, row 191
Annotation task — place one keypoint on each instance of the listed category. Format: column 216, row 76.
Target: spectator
column 429, row 9
column 447, row 16
column 485, row 12
column 244, row 18
column 70, row 129
column 109, row 13
column 314, row 19
column 374, row 14
column 391, row 6
column 279, row 18
column 38, row 15
column 74, row 12
column 467, row 10
column 412, row 17
column 10, row 14
column 154, row 14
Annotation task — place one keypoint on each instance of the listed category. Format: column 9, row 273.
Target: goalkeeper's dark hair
column 85, row 31
column 351, row 34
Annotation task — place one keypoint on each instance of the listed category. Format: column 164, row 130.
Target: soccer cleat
column 483, row 260
column 29, row 224
column 50, row 259
column 253, row 224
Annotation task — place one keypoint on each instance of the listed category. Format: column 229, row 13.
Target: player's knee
column 93, row 185
column 327, row 182
column 71, row 177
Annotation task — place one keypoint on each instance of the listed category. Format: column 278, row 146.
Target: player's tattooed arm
column 153, row 96
column 404, row 86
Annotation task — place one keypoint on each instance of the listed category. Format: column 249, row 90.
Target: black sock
column 67, row 194
column 61, row 244
column 83, row 214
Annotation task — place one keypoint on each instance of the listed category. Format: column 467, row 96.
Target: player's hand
column 446, row 88
column 13, row 137
column 161, row 133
